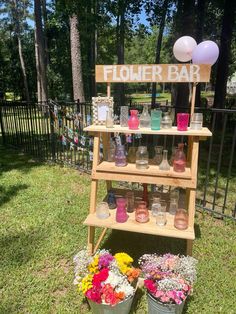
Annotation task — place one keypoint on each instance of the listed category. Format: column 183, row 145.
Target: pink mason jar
column 182, row 121
column 141, row 212
column 133, row 122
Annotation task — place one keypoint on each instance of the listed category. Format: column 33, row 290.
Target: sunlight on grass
column 42, row 211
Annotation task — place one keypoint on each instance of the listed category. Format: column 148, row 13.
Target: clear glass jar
column 132, row 154
column 158, row 155
column 130, row 201
column 156, row 205
column 142, row 158
column 111, row 199
column 164, row 164
column 145, row 119
column 179, row 163
column 174, row 149
column 124, row 116
column 173, row 206
column 120, row 156
column 166, row 122
column 111, row 151
column 102, row 210
column 141, row 212
column 109, row 118
column 196, row 121
column 161, row 215
column 181, row 219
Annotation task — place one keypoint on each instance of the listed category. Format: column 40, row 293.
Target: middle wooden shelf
column 152, row 175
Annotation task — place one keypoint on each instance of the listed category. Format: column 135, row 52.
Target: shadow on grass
column 11, row 159
column 137, row 244
column 17, row 248
column 6, row 194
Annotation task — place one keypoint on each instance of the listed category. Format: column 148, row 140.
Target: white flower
column 114, row 279
column 126, row 288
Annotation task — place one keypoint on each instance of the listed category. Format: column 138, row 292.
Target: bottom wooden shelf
column 133, row 226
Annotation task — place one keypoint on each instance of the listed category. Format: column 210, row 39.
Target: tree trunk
column 158, row 46
column 76, row 61
column 225, row 44
column 93, row 48
column 45, row 19
column 41, row 49
column 39, row 88
column 121, row 48
column 22, row 63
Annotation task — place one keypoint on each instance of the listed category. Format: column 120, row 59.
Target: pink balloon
column 183, row 48
column 207, row 52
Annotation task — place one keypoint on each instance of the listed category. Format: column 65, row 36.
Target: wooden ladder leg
column 106, row 143
column 189, row 247
column 93, row 193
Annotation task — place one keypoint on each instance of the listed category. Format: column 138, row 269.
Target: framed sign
column 100, row 108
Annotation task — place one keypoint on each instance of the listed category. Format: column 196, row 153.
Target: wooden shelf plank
column 152, row 170
column 204, row 132
column 148, row 228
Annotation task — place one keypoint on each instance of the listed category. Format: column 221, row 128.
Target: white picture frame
column 100, row 107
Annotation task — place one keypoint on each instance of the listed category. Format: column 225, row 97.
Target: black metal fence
column 54, row 132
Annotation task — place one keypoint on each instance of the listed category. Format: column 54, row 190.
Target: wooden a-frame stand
column 109, row 172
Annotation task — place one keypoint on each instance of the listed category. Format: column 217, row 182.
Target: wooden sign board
column 153, row 73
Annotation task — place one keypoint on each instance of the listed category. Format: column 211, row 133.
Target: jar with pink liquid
column 182, row 121
column 179, row 162
column 141, row 212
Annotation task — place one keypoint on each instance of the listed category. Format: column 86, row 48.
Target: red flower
column 100, row 277
column 150, row 285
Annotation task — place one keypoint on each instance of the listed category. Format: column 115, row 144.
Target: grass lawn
column 42, row 208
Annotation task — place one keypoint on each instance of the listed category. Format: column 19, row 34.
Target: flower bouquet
column 107, row 281
column 169, row 280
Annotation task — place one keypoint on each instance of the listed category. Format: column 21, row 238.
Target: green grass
column 42, row 208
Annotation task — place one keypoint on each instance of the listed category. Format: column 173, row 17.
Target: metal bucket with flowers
column 169, row 280
column 107, row 281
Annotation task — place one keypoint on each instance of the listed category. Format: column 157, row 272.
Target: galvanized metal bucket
column 120, row 308
column 155, row 307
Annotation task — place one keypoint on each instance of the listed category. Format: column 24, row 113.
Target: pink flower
column 111, row 299
column 165, row 299
column 177, row 301
column 94, row 295
column 98, row 278
column 159, row 294
column 150, row 285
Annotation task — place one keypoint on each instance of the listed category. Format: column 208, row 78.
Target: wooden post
column 108, row 89
column 193, row 99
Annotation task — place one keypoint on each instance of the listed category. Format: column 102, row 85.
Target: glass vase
column 179, row 162
column 156, row 204
column 121, row 214
column 132, row 154
column 102, row 210
column 111, row 151
column 164, row 164
column 156, row 119
column 124, row 116
column 111, row 199
column 166, row 122
column 109, row 118
column 141, row 212
column 182, row 121
column 181, row 219
column 145, row 119
column 196, row 121
column 130, row 201
column 161, row 215
column 120, row 156
column 142, row 158
column 158, row 155
column 133, row 121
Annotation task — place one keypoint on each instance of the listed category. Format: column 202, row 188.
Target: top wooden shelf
column 204, row 132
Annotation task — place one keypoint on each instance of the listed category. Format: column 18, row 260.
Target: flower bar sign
column 153, row 73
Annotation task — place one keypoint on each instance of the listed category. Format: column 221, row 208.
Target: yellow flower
column 86, row 284
column 93, row 266
column 124, row 262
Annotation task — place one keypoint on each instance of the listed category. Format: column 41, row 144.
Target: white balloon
column 183, row 48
